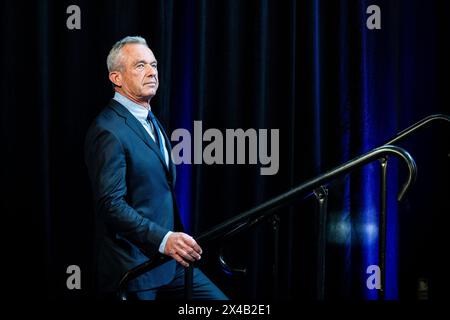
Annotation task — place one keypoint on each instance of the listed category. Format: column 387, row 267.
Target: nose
column 151, row 71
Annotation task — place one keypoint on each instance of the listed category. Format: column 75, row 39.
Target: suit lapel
column 139, row 130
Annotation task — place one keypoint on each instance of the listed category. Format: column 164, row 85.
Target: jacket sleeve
column 106, row 162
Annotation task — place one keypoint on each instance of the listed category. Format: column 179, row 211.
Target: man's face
column 138, row 76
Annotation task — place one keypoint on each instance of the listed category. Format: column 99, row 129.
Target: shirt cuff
column 162, row 246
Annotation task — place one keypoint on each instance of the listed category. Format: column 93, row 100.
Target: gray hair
column 113, row 59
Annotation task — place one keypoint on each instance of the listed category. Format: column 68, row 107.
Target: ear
column 116, row 78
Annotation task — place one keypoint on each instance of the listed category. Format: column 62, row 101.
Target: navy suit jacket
column 134, row 198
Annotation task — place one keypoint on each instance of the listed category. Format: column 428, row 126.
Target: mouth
column 150, row 84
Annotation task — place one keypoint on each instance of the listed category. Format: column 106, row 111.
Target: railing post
column 382, row 227
column 275, row 229
column 321, row 194
column 188, row 281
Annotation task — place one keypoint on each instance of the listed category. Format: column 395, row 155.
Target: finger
column 197, row 248
column 193, row 249
column 186, row 255
column 188, row 239
column 180, row 260
column 193, row 253
column 193, row 244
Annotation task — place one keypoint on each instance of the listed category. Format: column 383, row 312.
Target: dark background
column 309, row 68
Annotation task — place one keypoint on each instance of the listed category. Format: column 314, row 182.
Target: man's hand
column 183, row 248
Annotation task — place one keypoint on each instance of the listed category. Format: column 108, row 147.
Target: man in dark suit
column 127, row 153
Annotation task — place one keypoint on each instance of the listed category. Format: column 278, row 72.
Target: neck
column 143, row 103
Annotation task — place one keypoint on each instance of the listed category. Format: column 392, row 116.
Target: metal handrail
column 417, row 126
column 257, row 214
column 397, row 138
column 260, row 212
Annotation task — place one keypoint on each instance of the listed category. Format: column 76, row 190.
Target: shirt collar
column 138, row 111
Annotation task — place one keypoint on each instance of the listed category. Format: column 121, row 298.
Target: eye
column 140, row 66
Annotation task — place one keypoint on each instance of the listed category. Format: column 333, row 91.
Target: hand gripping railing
column 314, row 186
column 251, row 217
